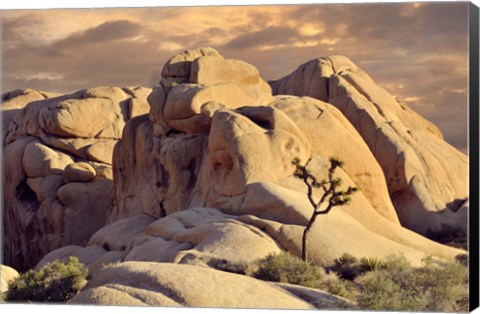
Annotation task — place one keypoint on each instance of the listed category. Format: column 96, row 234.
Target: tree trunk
column 304, row 238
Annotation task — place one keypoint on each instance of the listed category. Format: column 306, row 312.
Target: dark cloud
column 410, row 25
column 100, row 55
column 103, row 33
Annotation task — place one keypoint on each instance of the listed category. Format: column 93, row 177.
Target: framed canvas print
column 281, row 156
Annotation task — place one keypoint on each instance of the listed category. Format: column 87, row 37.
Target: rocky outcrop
column 239, row 172
column 198, row 82
column 426, row 177
column 165, row 284
column 144, row 186
column 57, row 161
column 168, row 175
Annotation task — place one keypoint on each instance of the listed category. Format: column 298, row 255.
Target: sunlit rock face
column 426, row 177
column 199, row 171
column 57, row 166
column 200, row 81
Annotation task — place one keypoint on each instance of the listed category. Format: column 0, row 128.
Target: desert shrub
column 346, row 259
column 347, row 267
column 224, row 265
column 444, row 286
column 287, row 268
column 54, row 282
column 397, row 264
column 398, row 286
column 388, row 288
column 333, row 284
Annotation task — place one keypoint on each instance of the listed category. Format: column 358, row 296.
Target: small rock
column 79, row 172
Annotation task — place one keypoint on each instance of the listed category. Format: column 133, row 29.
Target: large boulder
column 14, row 101
column 165, row 284
column 426, row 177
column 330, row 134
column 57, row 161
column 247, row 145
column 201, row 236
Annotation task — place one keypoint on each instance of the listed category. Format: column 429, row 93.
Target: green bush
column 439, row 287
column 388, row 288
column 397, row 264
column 287, row 268
column 346, row 259
column 347, row 267
column 54, row 282
column 333, row 284
column 392, row 284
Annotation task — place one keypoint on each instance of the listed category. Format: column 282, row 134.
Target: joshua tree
column 332, row 194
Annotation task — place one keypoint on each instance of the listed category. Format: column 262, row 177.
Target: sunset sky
column 417, row 51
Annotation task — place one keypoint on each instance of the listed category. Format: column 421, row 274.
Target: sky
column 416, row 51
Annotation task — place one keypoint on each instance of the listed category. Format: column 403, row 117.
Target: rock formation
column 189, row 195
column 197, row 83
column 57, row 161
column 426, row 177
column 198, row 172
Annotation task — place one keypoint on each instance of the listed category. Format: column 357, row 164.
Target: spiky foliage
column 371, row 263
column 332, row 196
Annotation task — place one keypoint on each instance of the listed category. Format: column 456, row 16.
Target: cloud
column 16, row 30
column 101, row 34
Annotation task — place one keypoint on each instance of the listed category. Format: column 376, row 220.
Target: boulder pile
column 58, row 166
